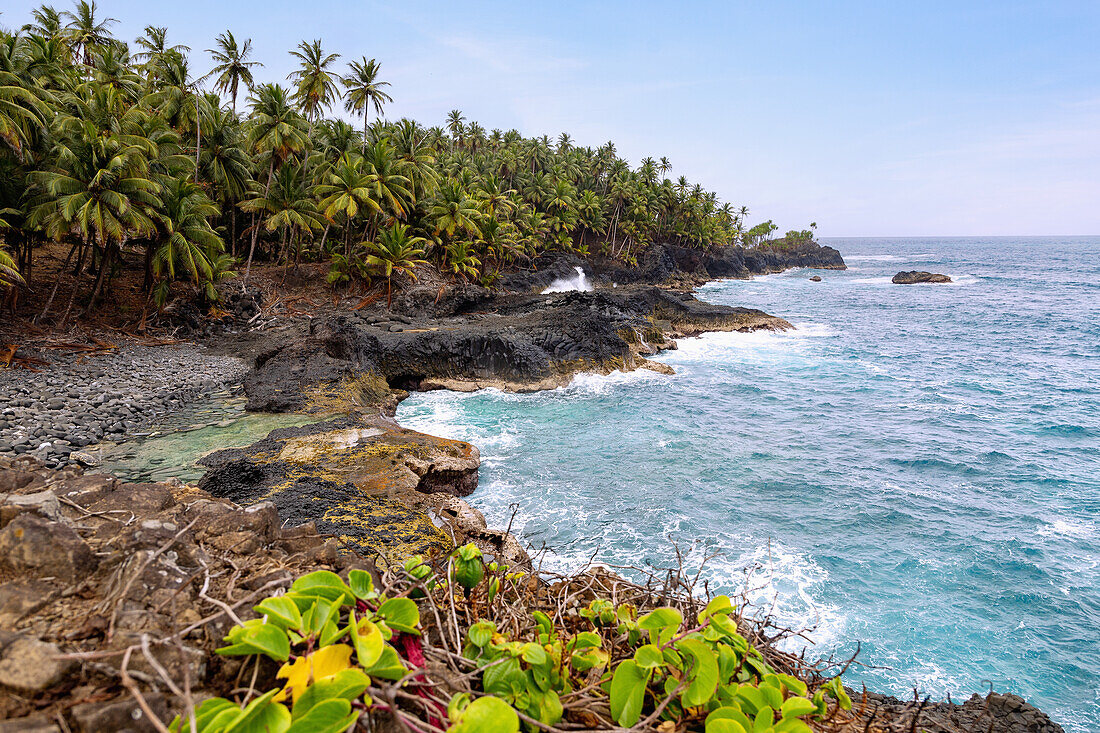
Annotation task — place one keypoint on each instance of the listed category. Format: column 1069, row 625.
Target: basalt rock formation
column 673, row 264
column 518, row 342
column 918, row 276
column 383, row 490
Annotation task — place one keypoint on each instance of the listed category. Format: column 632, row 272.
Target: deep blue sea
column 916, row 468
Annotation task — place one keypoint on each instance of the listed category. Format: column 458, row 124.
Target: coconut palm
column 315, row 85
column 362, row 89
column 395, row 252
column 346, row 192
column 23, row 112
column 454, row 210
column 231, row 66
column 154, row 44
column 185, row 241
column 85, row 31
column 276, row 131
column 286, row 206
column 99, row 188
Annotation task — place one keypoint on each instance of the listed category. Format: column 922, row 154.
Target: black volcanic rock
column 665, row 263
column 516, row 342
column 918, row 276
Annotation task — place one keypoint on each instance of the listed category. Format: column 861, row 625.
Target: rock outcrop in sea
column 919, row 276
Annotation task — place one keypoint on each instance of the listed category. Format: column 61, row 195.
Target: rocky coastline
column 90, row 565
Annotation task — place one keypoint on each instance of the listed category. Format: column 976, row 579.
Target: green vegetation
column 350, row 652
column 131, row 156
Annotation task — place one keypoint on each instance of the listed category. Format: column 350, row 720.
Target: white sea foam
column 963, row 280
column 888, row 258
column 880, row 280
column 787, row 585
column 577, row 282
column 1076, row 528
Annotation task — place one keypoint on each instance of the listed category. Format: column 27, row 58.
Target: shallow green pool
column 171, row 447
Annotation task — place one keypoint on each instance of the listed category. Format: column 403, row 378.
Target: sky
column 874, row 118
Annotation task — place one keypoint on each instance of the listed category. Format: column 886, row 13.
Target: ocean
column 915, row 468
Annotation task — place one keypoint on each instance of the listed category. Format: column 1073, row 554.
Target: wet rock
column 366, row 480
column 815, row 279
column 518, row 343
column 30, row 665
column 37, row 547
column 918, row 276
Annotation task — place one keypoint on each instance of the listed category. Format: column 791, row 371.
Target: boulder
column 121, row 716
column 815, row 279
column 30, row 665
column 919, row 276
column 36, row 547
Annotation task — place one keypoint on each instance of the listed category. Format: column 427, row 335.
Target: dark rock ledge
column 517, row 342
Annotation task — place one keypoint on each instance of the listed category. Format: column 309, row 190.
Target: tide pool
column 916, row 468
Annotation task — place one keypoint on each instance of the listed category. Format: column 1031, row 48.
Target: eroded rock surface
column 380, row 488
column 515, row 342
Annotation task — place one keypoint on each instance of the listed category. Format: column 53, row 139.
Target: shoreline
column 432, row 480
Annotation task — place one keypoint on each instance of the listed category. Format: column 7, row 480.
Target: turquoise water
column 916, row 468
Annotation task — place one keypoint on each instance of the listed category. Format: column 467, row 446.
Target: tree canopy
column 121, row 149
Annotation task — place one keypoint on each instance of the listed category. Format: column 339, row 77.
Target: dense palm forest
column 194, row 168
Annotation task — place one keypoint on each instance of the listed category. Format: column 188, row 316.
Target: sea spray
column 563, row 285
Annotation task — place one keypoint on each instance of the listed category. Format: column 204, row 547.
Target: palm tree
column 155, row 44
column 232, row 66
column 177, row 98
column 454, row 125
column 22, row 111
column 9, row 273
column 454, row 210
column 315, row 84
column 276, row 131
column 395, row 252
column 85, row 32
column 389, row 186
column 186, row 240
column 48, row 22
column 363, row 89
column 226, row 164
column 346, row 191
column 288, row 207
column 99, row 188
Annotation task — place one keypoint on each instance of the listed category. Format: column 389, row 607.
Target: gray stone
column 30, row 665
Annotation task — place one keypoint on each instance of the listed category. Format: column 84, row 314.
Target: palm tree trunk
column 76, row 285
column 255, row 230
column 56, row 283
column 198, row 138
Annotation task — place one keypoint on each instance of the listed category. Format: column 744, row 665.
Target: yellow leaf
column 306, row 670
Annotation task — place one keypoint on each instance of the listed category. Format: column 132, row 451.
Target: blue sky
column 870, row 118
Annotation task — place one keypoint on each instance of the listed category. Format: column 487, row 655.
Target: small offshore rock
column 919, row 276
column 815, row 279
